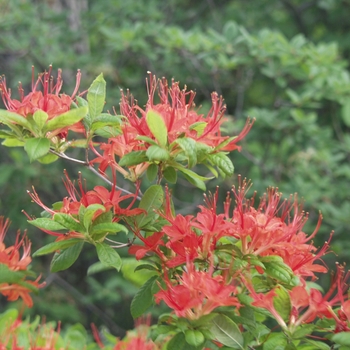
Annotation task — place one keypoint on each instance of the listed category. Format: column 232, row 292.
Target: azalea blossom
column 179, row 114
column 11, row 257
column 45, row 96
column 196, row 293
column 77, row 197
column 181, row 119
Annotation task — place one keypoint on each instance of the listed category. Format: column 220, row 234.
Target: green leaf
column 96, row 97
column 37, row 147
column 152, row 199
column 282, row 302
column 143, row 298
column 199, row 127
column 279, row 271
column 47, row 158
column 89, row 213
column 66, row 258
column 7, row 117
column 193, row 178
column 178, row 342
column 106, row 120
column 67, row 119
column 131, row 272
column 157, row 153
column 341, row 338
column 157, row 127
column 10, row 276
column 133, row 158
column 194, row 337
column 40, row 117
column 227, row 332
column 152, row 172
column 223, row 162
column 108, row 227
column 97, row 267
column 11, row 142
column 68, row 222
column 47, row 224
column 54, row 246
column 275, row 341
column 108, row 256
column 147, row 140
column 189, row 147
column 170, row 174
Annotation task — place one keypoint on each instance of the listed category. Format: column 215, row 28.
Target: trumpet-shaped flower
column 49, row 100
column 197, row 293
column 10, row 257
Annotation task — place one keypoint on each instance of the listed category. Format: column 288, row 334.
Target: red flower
column 152, row 244
column 15, row 262
column 197, row 293
column 71, row 204
column 49, row 100
column 178, row 111
column 275, row 228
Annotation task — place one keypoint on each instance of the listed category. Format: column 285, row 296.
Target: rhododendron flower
column 308, row 305
column 275, row 228
column 49, row 100
column 177, row 109
column 197, row 293
column 151, row 244
column 11, row 257
column 111, row 200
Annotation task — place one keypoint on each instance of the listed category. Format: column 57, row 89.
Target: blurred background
column 284, row 62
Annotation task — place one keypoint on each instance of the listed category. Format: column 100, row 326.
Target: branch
column 92, row 169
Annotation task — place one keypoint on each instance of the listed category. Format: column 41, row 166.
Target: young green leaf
column 108, row 256
column 40, row 117
column 96, row 97
column 108, row 227
column 170, row 174
column 223, row 162
column 152, row 199
column 54, row 246
column 143, row 299
column 7, row 117
column 133, row 158
column 47, row 224
column 282, row 302
column 157, row 126
column 89, row 213
column 67, row 119
column 189, row 147
column 66, row 258
column 68, row 222
column 156, row 153
column 227, row 332
column 152, row 172
column 37, row 147
column 194, row 337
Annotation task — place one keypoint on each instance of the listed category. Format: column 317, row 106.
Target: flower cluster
column 162, row 132
column 211, row 258
column 14, row 267
column 45, row 96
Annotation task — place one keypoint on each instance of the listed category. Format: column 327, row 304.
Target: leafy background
column 284, row 62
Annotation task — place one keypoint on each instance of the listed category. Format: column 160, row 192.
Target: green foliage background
column 284, row 62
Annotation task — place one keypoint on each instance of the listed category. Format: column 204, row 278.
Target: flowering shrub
column 240, row 278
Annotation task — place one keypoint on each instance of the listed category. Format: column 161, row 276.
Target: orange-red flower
column 12, row 259
column 49, row 100
column 197, row 293
column 180, row 116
